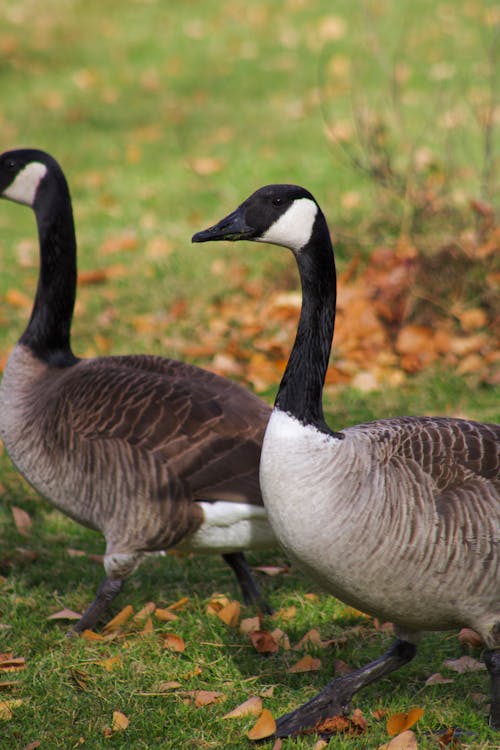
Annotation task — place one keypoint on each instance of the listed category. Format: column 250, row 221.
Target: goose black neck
column 301, row 389
column 48, row 331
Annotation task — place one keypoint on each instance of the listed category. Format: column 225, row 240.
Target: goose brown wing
column 208, row 429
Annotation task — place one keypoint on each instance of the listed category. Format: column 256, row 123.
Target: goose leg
column 335, row 698
column 107, row 591
column 492, row 661
column 251, row 593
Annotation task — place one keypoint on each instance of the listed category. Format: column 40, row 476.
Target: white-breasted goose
column 152, row 452
column 399, row 517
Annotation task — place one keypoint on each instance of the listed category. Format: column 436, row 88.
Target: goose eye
column 10, row 164
column 277, row 201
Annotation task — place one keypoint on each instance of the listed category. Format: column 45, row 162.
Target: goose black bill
column 233, row 227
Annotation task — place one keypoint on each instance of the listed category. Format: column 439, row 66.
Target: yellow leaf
column 308, row 663
column 6, row 708
column 251, row 707
column 178, row 604
column 110, row 663
column 398, row 723
column 120, row 721
column 119, row 620
column 264, row 727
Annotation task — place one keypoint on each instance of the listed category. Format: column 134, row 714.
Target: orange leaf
column 178, row 604
column 85, row 278
column 230, row 614
column 250, row 625
column 110, row 663
column 165, row 615
column 204, row 697
column 307, row 664
column 404, row 741
column 89, row 635
column 251, row 707
column 207, row 165
column 119, row 620
column 15, row 298
column 264, row 727
column 148, row 627
column 22, row 520
column 9, row 664
column 120, row 721
column 398, row 723
column 141, row 617
column 173, row 642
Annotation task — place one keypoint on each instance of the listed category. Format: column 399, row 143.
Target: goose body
column 151, row 452
column 398, row 517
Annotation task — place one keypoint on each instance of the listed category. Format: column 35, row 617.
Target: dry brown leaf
column 470, row 638
column 207, row 165
column 173, row 642
column 120, row 721
column 263, row 642
column 142, row 616
column 179, row 604
column 148, row 627
column 250, row 625
column 265, row 726
column 464, row 664
column 32, row 745
column 281, row 638
column 110, row 663
column 165, row 615
column 399, row 722
column 437, row 679
column 22, row 519
column 320, row 745
column 308, row 663
column 86, row 278
column 125, row 241
column 119, row 620
column 7, row 707
column 230, row 613
column 341, row 667
column 80, row 677
column 278, row 745
column 287, row 613
column 251, row 707
column 267, row 692
column 10, row 664
column 8, row 684
column 404, row 741
column 89, row 635
column 204, row 697
column 169, row 685
column 312, row 636
column 65, row 614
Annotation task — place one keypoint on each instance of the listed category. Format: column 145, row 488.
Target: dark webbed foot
column 251, row 592
column 107, row 591
column 335, row 698
column 492, row 661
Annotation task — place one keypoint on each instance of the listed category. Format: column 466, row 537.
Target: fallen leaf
column 331, row 725
column 179, row 604
column 80, row 677
column 267, row 692
column 312, row 636
column 263, row 642
column 169, row 685
column 86, row 278
column 173, row 642
column 148, row 627
column 230, row 614
column 251, row 707
column 141, row 617
column 463, row 664
column 399, row 722
column 250, row 625
column 7, row 707
column 9, row 664
column 120, row 721
column 341, row 667
column 204, row 697
column 32, row 745
column 278, row 744
column 287, row 613
column 264, row 727
column 206, row 165
column 320, row 745
column 165, row 615
column 65, row 614
column 22, row 520
column 125, row 241
column 110, row 663
column 469, row 637
column 8, row 684
column 119, row 620
column 89, row 635
column 437, row 679
column 307, row 664
column 15, row 298
column 404, row 741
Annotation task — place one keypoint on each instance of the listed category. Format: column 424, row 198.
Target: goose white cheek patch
column 294, row 228
column 23, row 189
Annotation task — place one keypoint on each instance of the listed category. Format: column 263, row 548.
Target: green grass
column 129, row 98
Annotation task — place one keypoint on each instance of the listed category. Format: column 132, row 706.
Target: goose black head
column 279, row 214
column 23, row 172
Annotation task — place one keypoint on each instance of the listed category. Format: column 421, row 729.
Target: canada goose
column 399, row 517
column 152, row 452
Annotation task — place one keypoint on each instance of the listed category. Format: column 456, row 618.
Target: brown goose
column 152, row 452
column 399, row 517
